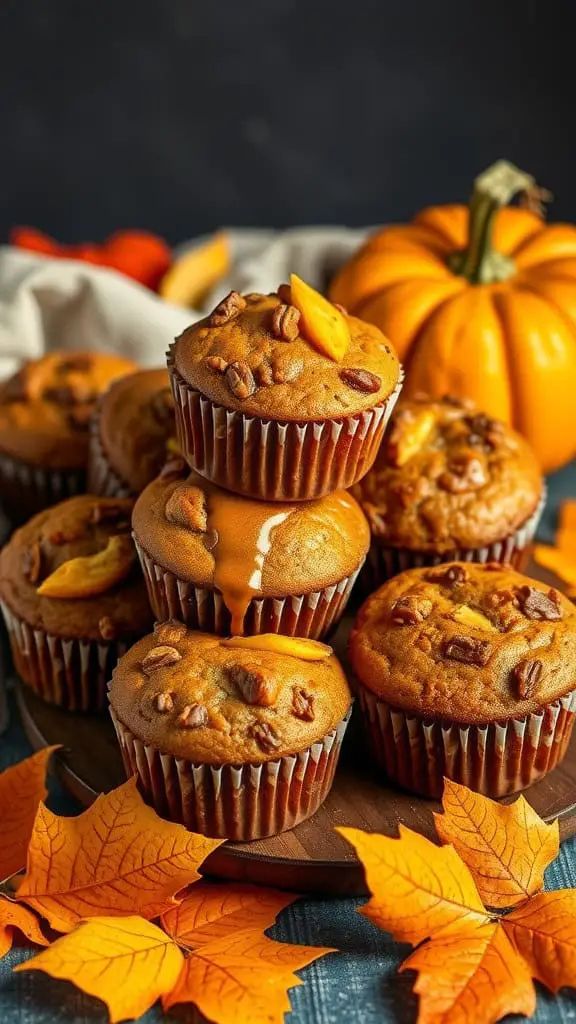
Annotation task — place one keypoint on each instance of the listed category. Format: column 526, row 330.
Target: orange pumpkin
column 480, row 301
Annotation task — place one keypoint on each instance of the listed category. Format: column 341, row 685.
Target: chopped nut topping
column 240, row 380
column 467, row 649
column 107, row 628
column 303, row 704
column 169, row 632
column 193, row 716
column 216, row 363
column 527, row 675
column 186, row 507
column 160, row 657
column 410, row 609
column 285, row 322
column 284, row 293
column 500, row 597
column 465, row 473
column 230, row 306
column 449, row 574
column 484, row 432
column 164, row 703
column 361, row 380
column 535, row 604
column 254, row 686
column 265, row 736
column 32, row 563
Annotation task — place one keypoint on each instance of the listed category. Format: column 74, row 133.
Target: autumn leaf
column 210, row 912
column 117, row 858
column 543, row 931
column 506, row 847
column 475, row 978
column 418, row 889
column 242, row 977
column 126, row 962
column 561, row 559
column 15, row 916
column 22, row 788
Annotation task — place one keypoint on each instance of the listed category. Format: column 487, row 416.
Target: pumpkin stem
column 480, row 263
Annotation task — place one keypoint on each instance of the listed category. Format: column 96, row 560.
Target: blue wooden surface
column 359, row 985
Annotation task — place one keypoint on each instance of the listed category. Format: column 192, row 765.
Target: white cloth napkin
column 48, row 303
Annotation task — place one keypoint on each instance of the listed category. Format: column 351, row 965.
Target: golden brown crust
column 188, row 695
column 135, row 422
column 255, row 363
column 447, row 477
column 466, row 643
column 78, row 527
column 45, row 408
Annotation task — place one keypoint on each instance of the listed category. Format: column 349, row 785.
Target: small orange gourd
column 480, row 302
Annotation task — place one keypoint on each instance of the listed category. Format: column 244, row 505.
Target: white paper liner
column 313, row 615
column 238, row 802
column 26, row 489
column 272, row 460
column 69, row 672
column 495, row 759
column 102, row 479
column 384, row 562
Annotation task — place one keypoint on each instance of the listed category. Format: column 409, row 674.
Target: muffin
column 264, row 412
column 449, row 484
column 45, row 410
column 73, row 599
column 466, row 671
column 235, row 738
column 227, row 564
column 130, row 434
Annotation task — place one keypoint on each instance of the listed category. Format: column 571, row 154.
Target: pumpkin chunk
column 324, row 326
column 295, row 647
column 409, row 437
column 471, row 617
column 92, row 574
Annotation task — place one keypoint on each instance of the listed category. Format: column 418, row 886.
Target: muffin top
column 45, row 408
column 466, row 643
column 100, row 597
column 447, row 477
column 134, row 424
column 251, row 354
column 244, row 548
column 209, row 700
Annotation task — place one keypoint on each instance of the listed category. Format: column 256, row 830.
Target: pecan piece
column 449, row 574
column 467, row 650
column 253, row 685
column 32, row 563
column 230, row 306
column 216, row 363
column 107, row 628
column 169, row 632
column 160, row 657
column 303, row 704
column 263, row 374
column 527, row 675
column 535, row 604
column 410, row 610
column 285, row 322
column 186, row 507
column 164, row 703
column 500, row 597
column 360, row 380
column 483, row 431
column 240, row 380
column 193, row 716
column 265, row 735
column 284, row 293
column 465, row 473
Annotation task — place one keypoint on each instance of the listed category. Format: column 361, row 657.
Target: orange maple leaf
column 543, row 931
column 211, row 911
column 242, row 977
column 561, row 558
column 117, row 858
column 22, row 788
column 13, row 916
column 126, row 962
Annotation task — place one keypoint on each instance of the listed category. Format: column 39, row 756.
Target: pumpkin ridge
column 417, row 339
column 570, row 324
column 514, row 410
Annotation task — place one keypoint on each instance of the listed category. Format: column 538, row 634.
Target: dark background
column 181, row 115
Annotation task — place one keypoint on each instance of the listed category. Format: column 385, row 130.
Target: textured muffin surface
column 448, row 477
column 190, row 695
column 45, row 408
column 135, row 422
column 242, row 364
column 76, row 528
column 466, row 643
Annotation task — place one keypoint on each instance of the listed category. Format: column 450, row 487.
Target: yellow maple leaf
column 211, row 911
column 22, row 788
column 126, row 962
column 13, row 916
column 116, row 858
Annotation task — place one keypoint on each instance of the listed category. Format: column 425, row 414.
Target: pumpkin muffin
column 282, row 397
column 234, row 738
column 449, row 484
column 466, row 671
column 224, row 563
column 45, row 411
column 73, row 599
column 130, row 434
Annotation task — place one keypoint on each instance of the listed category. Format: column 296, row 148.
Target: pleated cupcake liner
column 272, row 460
column 69, row 672
column 313, row 615
column 383, row 562
column 496, row 759
column 26, row 489
column 103, row 480
column 237, row 802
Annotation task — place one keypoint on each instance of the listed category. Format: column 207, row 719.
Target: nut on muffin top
column 72, row 571
column 447, row 477
column 213, row 701
column 252, row 354
column 135, row 422
column 466, row 643
column 45, row 408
